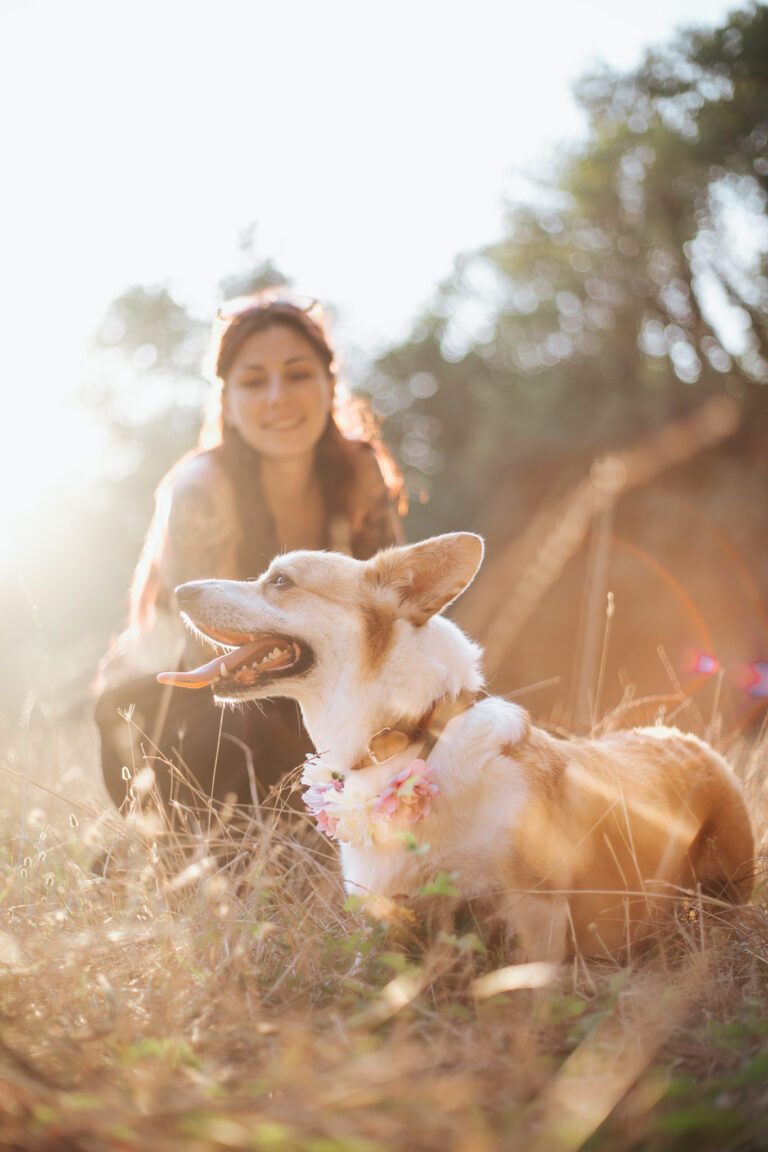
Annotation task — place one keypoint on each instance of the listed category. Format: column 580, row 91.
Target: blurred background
column 541, row 235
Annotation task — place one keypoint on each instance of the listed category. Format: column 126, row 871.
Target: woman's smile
column 278, row 393
column 285, row 424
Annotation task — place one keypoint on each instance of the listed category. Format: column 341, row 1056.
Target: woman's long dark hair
column 350, row 420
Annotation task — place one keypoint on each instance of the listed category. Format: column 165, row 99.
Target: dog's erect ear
column 427, row 576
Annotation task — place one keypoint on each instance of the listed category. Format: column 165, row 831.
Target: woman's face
column 278, row 393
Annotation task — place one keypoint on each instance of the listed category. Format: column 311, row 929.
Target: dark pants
column 199, row 751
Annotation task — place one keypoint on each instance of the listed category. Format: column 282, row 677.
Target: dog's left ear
column 426, row 577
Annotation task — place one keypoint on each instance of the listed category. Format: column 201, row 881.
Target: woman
column 282, row 463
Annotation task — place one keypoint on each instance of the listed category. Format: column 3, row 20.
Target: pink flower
column 319, row 799
column 407, row 796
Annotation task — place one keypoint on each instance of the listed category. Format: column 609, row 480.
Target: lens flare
column 758, row 683
column 704, row 665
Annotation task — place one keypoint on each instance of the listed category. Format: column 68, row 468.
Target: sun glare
column 57, row 451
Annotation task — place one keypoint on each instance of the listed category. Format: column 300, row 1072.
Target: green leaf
column 410, row 842
column 442, row 885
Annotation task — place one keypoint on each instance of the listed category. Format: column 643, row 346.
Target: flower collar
column 346, row 814
column 346, row 811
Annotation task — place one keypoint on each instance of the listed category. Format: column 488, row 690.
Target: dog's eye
column 280, row 580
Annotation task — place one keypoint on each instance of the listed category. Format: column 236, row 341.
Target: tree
column 619, row 301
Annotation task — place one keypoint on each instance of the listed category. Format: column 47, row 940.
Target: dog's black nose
column 186, row 593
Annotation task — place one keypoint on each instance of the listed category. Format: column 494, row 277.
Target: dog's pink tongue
column 208, row 673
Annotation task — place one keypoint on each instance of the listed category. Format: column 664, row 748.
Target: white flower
column 316, row 771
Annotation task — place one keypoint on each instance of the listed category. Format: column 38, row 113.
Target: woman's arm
column 202, row 533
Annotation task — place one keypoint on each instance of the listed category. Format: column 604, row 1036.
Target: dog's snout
column 186, row 593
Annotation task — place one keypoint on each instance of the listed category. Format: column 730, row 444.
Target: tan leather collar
column 390, row 742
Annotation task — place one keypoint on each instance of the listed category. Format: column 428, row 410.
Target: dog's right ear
column 426, row 577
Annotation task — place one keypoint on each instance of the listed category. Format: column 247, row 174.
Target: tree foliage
column 633, row 287
column 627, row 291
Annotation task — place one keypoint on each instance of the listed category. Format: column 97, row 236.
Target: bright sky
column 369, row 142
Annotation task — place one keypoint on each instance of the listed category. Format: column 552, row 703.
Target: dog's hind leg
column 721, row 856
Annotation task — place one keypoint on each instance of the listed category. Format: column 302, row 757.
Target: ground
column 206, row 995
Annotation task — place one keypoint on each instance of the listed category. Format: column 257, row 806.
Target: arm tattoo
column 197, row 537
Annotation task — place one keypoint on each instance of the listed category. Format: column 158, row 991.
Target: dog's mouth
column 252, row 661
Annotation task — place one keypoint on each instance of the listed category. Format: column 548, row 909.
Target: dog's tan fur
column 569, row 843
column 646, row 813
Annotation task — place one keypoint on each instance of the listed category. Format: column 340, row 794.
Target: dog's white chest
column 470, row 828
column 473, row 845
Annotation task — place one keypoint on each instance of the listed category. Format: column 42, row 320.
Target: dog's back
column 627, row 823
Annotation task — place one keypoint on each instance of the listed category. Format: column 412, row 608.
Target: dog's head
column 318, row 614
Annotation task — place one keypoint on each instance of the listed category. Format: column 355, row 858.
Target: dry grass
column 203, row 996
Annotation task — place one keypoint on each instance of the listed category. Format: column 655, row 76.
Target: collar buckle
column 387, row 743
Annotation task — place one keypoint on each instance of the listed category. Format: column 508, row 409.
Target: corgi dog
column 568, row 844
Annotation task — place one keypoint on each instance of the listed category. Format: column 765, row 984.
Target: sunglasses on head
column 245, row 305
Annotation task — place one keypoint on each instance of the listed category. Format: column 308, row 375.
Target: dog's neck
column 389, row 742
column 425, row 665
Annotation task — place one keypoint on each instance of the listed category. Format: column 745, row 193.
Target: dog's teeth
column 275, row 654
column 223, row 671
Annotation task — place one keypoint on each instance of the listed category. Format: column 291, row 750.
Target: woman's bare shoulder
column 200, row 483
column 197, row 470
column 202, row 523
